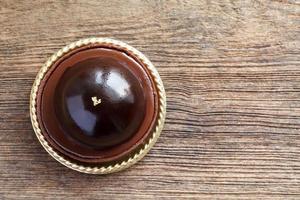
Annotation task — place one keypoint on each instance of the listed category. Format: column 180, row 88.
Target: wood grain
column 231, row 70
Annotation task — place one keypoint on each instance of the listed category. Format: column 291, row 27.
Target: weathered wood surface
column 232, row 74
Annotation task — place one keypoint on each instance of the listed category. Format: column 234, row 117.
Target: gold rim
column 137, row 156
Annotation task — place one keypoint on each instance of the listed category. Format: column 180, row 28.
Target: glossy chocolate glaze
column 121, row 108
column 77, row 124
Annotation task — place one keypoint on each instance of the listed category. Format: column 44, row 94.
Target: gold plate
column 98, row 169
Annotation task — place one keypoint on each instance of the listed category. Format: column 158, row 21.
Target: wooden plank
column 231, row 70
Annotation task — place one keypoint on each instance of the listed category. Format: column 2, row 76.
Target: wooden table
column 231, row 70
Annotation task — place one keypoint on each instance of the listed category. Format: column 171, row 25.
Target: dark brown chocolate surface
column 97, row 104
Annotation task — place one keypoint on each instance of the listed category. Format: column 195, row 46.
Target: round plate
column 125, row 129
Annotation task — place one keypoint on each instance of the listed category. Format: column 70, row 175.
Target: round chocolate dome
column 100, row 101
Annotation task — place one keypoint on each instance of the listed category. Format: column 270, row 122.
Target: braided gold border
column 118, row 166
